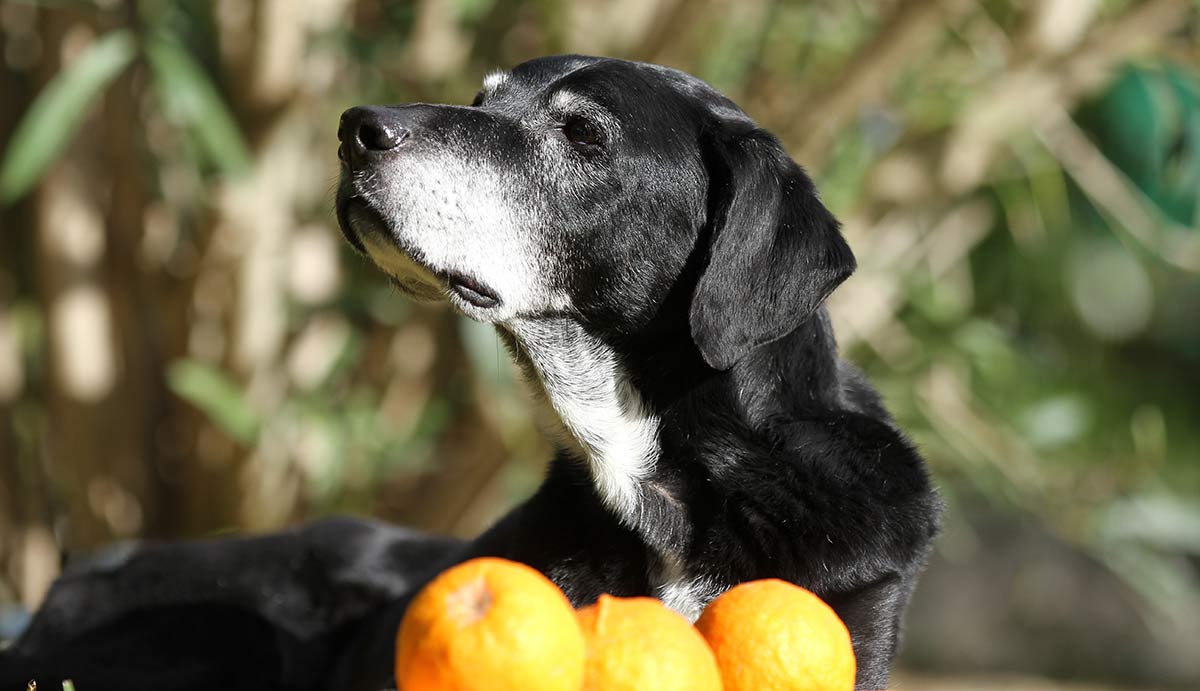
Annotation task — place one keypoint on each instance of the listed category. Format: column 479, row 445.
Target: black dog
column 657, row 265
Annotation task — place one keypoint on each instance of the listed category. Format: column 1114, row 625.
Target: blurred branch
column 907, row 31
column 1110, row 190
column 983, row 440
column 671, row 21
column 957, row 163
column 1041, row 84
column 757, row 81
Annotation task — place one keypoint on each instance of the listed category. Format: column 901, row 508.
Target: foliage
column 51, row 121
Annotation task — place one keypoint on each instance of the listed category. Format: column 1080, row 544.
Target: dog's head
column 584, row 188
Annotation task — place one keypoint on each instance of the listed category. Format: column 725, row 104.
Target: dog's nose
column 368, row 130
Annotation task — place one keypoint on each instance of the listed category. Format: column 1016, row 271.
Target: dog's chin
column 409, row 273
column 464, row 296
column 417, row 290
column 468, row 296
column 409, row 276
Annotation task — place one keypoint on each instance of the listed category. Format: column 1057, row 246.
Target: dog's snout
column 378, row 134
column 368, row 130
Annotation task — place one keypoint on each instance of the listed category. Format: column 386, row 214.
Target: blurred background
column 187, row 348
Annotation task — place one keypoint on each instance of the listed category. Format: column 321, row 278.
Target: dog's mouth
column 471, row 290
column 355, row 218
column 362, row 225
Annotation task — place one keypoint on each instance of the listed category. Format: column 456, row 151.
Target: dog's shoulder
column 835, row 494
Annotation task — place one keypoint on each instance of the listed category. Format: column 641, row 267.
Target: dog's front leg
column 238, row 613
column 873, row 614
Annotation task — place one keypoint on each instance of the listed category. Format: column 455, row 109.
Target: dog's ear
column 775, row 251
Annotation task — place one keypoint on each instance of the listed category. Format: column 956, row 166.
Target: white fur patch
column 564, row 100
column 601, row 415
column 494, row 79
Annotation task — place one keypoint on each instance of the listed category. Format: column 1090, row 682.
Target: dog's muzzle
column 367, row 136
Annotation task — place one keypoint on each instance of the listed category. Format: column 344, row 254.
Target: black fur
column 698, row 252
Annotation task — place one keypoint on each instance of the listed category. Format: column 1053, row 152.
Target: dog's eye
column 478, row 101
column 581, row 132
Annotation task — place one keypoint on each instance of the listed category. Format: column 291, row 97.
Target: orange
column 490, row 624
column 637, row 643
column 774, row 636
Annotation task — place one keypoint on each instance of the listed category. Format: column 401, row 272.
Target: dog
column 656, row 265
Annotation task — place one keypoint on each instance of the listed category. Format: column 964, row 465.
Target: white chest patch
column 594, row 413
column 599, row 415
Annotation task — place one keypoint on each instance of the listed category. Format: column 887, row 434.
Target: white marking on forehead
column 494, row 79
column 602, row 417
column 566, row 100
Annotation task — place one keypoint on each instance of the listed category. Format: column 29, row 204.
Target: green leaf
column 1055, row 421
column 192, row 100
column 1167, row 523
column 57, row 111
column 215, row 393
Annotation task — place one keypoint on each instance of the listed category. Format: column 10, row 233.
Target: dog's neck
column 596, row 417
column 785, row 379
column 591, row 410
column 595, row 410
column 596, row 414
column 789, row 378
